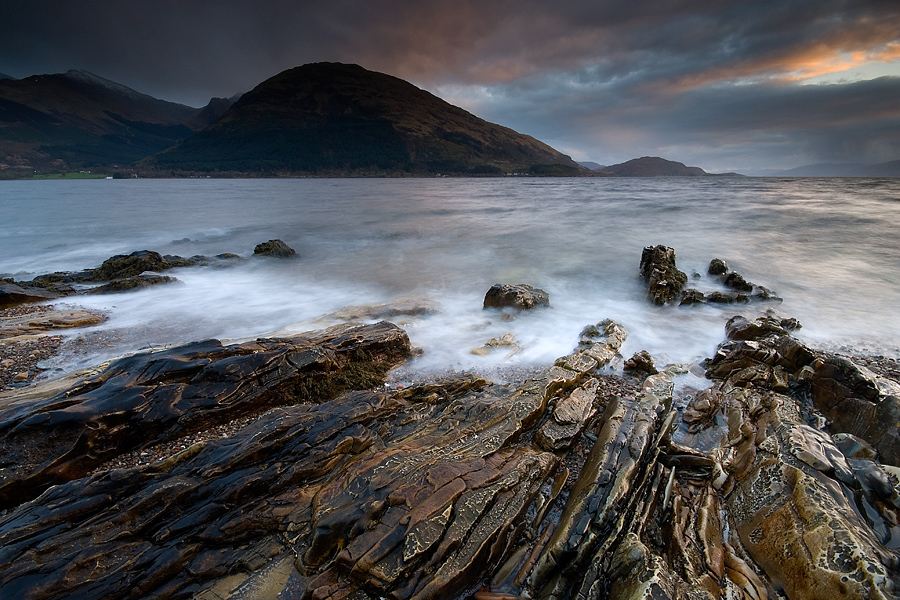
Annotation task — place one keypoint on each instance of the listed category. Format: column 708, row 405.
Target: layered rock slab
column 147, row 398
column 807, row 517
column 416, row 493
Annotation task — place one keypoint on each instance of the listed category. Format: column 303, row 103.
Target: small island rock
column 520, row 296
column 275, row 248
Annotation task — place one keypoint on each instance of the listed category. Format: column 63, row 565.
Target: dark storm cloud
column 603, row 79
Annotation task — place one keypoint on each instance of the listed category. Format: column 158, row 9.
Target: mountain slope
column 652, row 166
column 332, row 118
column 77, row 119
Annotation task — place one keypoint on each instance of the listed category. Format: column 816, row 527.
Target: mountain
column 341, row 119
column 78, row 119
column 590, row 165
column 5, row 76
column 887, row 169
column 652, row 166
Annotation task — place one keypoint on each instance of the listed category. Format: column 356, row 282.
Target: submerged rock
column 412, row 307
column 144, row 280
column 519, row 296
column 664, row 280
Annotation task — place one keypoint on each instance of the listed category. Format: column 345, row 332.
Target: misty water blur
column 827, row 246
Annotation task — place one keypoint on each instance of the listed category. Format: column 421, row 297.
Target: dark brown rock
column 123, row 266
column 717, row 297
column 717, row 266
column 148, row 398
column 12, row 294
column 518, row 296
column 664, row 280
column 274, row 248
column 641, row 362
column 571, row 484
column 736, row 281
column 692, row 296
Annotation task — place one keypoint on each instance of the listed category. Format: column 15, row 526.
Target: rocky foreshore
column 288, row 469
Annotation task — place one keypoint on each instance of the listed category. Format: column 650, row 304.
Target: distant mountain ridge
column 887, row 169
column 652, row 166
column 341, row 119
column 317, row 119
column 77, row 119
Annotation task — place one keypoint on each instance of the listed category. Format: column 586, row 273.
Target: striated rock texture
column 518, row 296
column 664, row 280
column 147, row 398
column 574, row 484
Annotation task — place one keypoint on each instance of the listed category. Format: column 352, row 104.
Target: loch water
column 828, row 246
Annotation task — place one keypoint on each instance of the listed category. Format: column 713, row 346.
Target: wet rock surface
column 664, row 280
column 121, row 273
column 274, row 248
column 778, row 480
column 31, row 334
column 12, row 294
column 147, row 398
column 517, row 296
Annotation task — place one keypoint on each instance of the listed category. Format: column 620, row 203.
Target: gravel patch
column 164, row 450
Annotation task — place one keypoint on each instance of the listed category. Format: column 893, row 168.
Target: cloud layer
column 726, row 85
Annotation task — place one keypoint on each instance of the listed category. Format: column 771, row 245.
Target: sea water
column 829, row 247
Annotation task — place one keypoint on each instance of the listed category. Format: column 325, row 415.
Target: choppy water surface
column 827, row 246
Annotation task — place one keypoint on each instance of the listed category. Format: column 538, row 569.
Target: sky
column 743, row 86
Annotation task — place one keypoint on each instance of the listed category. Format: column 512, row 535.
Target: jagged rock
column 518, row 296
column 415, row 497
column 144, row 280
column 849, row 395
column 147, row 398
column 570, row 416
column 736, row 281
column 602, row 497
column 641, row 362
column 717, row 266
column 275, row 248
column 664, row 280
column 568, row 485
column 787, row 483
column 12, row 294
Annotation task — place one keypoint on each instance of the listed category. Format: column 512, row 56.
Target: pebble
column 164, row 450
